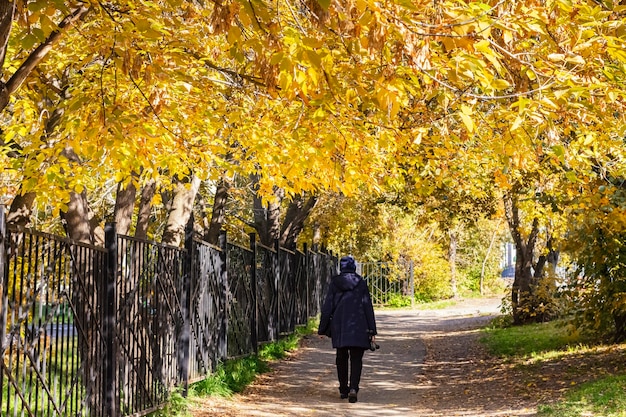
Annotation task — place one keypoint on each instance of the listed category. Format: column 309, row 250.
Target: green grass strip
column 529, row 340
column 605, row 397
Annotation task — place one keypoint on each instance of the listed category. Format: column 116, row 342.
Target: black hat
column 347, row 264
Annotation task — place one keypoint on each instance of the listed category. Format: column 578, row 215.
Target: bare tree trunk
column 619, row 319
column 7, row 13
column 124, row 207
column 452, row 258
column 85, row 285
column 145, row 207
column 267, row 220
column 297, row 213
column 521, row 290
column 77, row 218
column 182, row 205
column 317, row 234
column 81, row 225
column 218, row 214
column 21, row 209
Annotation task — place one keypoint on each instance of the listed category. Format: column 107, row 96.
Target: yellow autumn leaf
column 500, row 84
column 467, row 121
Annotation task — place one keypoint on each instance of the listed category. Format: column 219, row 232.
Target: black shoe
column 343, row 395
column 352, row 396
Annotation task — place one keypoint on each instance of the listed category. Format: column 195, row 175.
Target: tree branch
column 7, row 11
column 38, row 55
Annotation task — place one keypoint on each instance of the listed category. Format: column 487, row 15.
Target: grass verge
column 604, row 397
column 548, row 344
column 531, row 340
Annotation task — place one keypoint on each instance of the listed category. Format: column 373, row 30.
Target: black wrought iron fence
column 315, row 286
column 267, row 276
column 51, row 326
column 242, row 295
column 88, row 331
column 388, row 281
column 208, row 309
column 289, row 315
column 149, row 318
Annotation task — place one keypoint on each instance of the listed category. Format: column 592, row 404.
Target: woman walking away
column 349, row 316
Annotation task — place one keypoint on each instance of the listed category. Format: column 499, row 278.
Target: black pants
column 353, row 356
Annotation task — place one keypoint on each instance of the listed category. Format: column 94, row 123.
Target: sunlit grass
column 605, row 397
column 536, row 344
column 435, row 305
column 399, row 301
column 531, row 340
column 44, row 374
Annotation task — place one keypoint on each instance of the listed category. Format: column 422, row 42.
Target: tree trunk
column 521, row 290
column 452, row 258
column 551, row 259
column 619, row 318
column 297, row 213
column 80, row 223
column 267, row 220
column 218, row 214
column 182, row 205
column 77, row 218
column 7, row 12
column 79, row 228
column 21, row 209
column 124, row 207
column 145, row 207
column 317, row 234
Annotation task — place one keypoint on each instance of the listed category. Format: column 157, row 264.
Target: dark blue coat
column 353, row 320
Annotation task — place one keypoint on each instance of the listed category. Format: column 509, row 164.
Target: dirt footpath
column 430, row 363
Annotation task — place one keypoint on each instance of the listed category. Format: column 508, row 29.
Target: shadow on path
column 394, row 381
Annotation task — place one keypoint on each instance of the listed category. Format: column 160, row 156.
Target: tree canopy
column 316, row 95
column 468, row 102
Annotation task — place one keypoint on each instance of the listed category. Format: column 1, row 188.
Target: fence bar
column 226, row 296
column 253, row 286
column 4, row 274
column 307, row 299
column 277, row 293
column 110, row 393
column 185, row 301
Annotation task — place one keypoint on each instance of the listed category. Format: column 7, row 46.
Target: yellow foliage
column 335, row 96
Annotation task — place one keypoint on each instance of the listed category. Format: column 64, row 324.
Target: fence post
column 254, row 336
column 110, row 391
column 277, row 283
column 5, row 291
column 185, row 301
column 307, row 298
column 222, row 344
